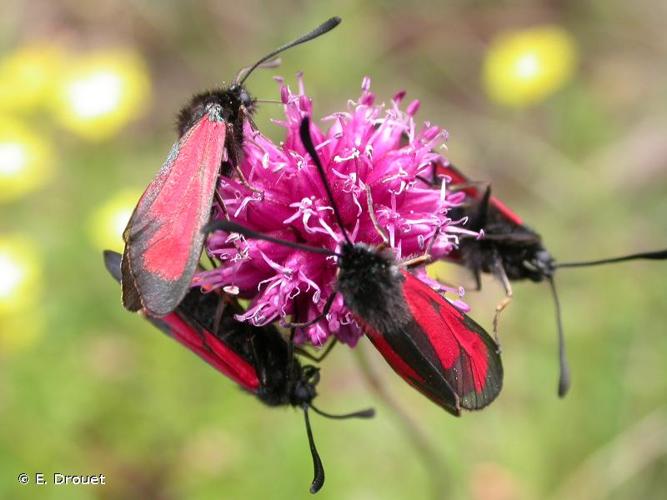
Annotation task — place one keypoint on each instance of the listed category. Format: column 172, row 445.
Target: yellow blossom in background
column 20, row 274
column 29, row 75
column 20, row 328
column 101, row 92
column 525, row 67
column 26, row 160
column 108, row 221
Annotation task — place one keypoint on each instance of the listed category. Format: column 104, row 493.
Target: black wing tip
column 475, row 401
column 112, row 261
column 111, row 254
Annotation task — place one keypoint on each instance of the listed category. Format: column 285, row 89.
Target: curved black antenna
column 304, row 132
column 656, row 255
column 564, row 368
column 367, row 413
column 320, row 30
column 318, row 468
column 233, row 227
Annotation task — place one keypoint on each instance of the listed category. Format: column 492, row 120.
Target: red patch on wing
column 212, row 350
column 467, row 354
column 163, row 238
column 457, row 179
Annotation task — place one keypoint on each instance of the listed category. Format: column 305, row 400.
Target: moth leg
column 244, row 114
column 244, row 181
column 501, row 275
column 371, row 213
column 234, row 147
column 217, row 319
column 214, row 265
column 317, row 359
column 221, row 202
column 325, row 311
column 417, row 261
column 477, row 276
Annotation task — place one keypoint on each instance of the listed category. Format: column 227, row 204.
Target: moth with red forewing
column 436, row 348
column 510, row 250
column 258, row 359
column 163, row 242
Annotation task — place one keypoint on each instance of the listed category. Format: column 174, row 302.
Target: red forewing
column 163, row 240
column 459, row 179
column 185, row 326
column 468, row 355
column 441, row 352
column 209, row 348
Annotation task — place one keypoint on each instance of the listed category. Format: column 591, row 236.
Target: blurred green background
column 562, row 104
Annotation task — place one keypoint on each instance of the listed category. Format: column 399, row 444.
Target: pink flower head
column 368, row 149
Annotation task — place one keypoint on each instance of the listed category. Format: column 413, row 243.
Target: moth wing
column 471, row 188
column 185, row 326
column 163, row 241
column 467, row 358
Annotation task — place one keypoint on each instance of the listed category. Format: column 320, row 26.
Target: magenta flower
column 367, row 149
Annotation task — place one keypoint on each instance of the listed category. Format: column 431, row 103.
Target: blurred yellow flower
column 101, row 92
column 26, row 160
column 525, row 67
column 20, row 273
column 108, row 221
column 28, row 75
column 20, row 328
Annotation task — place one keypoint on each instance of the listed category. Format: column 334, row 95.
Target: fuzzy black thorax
column 231, row 100
column 371, row 284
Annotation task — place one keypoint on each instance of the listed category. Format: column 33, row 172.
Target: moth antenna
column 270, row 64
column 304, row 132
column 564, row 368
column 367, row 413
column 268, row 101
column 318, row 468
column 233, row 227
column 320, row 30
column 656, row 255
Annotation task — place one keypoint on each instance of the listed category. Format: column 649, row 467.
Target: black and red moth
column 510, row 250
column 258, row 359
column 163, row 242
column 435, row 347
